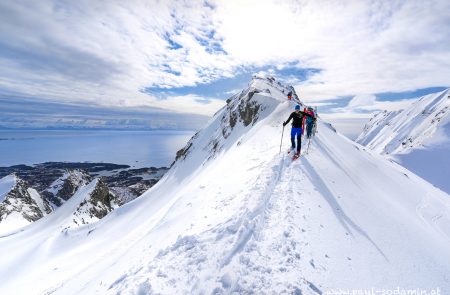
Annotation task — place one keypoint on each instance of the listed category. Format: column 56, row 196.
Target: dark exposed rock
column 128, row 183
column 248, row 112
column 97, row 205
column 63, row 188
column 233, row 119
column 181, row 154
column 19, row 200
column 41, row 176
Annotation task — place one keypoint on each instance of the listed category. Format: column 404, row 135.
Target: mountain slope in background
column 235, row 215
column 417, row 137
column 21, row 204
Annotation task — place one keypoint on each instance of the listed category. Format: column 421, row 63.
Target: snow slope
column 235, row 215
column 417, row 137
column 7, row 183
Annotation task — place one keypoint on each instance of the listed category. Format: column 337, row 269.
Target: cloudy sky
column 349, row 57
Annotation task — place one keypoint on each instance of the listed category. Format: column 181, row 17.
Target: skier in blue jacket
column 296, row 131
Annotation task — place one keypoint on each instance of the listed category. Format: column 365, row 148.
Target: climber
column 296, row 131
column 289, row 95
column 310, row 122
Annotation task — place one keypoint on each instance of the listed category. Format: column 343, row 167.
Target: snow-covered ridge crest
column 242, row 111
column 399, row 132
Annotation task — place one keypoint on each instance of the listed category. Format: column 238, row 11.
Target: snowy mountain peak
column 95, row 204
column 19, row 203
column 269, row 84
column 401, row 131
column 66, row 186
column 243, row 111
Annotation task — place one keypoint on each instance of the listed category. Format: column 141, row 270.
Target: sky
column 185, row 58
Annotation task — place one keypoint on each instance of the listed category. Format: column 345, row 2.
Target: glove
column 284, row 124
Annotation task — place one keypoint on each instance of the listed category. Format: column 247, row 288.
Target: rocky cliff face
column 51, row 185
column 20, row 204
column 96, row 205
column 242, row 111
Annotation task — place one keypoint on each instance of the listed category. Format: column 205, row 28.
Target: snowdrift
column 235, row 215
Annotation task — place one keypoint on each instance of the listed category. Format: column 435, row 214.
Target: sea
column 137, row 149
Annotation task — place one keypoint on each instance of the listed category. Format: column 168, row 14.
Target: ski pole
column 282, row 133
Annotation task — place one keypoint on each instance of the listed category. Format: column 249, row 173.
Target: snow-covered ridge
column 235, row 216
column 417, row 137
column 399, row 132
column 243, row 110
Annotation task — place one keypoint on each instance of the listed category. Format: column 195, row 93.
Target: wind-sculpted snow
column 245, row 219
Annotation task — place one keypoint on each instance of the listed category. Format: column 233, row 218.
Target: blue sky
column 350, row 58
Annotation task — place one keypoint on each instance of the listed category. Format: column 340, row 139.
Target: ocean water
column 135, row 148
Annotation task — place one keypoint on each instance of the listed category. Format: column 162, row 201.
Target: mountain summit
column 234, row 215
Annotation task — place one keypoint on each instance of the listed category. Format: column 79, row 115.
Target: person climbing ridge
column 289, row 95
column 311, row 126
column 310, row 122
column 296, row 131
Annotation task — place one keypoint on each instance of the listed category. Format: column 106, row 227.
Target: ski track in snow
column 273, row 233
column 249, row 239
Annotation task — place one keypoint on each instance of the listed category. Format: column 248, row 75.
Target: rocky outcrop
column 66, row 186
column 243, row 110
column 96, row 205
column 58, row 181
column 21, row 204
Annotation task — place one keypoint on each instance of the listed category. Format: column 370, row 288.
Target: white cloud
column 362, row 100
column 106, row 52
column 369, row 102
column 349, row 124
column 192, row 104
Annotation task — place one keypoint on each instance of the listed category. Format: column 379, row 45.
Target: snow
column 7, row 183
column 417, row 137
column 236, row 216
column 12, row 222
column 38, row 199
